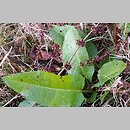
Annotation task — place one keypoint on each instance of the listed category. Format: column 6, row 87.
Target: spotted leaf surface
column 48, row 89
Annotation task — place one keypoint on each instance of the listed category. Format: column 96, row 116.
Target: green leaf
column 26, row 103
column 48, row 89
column 89, row 71
column 58, row 33
column 103, row 96
column 61, row 35
column 82, row 34
column 91, row 49
column 127, row 28
column 69, row 48
column 93, row 98
column 109, row 71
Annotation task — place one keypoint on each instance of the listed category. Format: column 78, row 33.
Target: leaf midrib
column 55, row 89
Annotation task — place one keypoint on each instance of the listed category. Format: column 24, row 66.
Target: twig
column 11, row 100
column 127, row 102
column 90, row 32
column 9, row 61
column 74, row 54
column 82, row 26
column 5, row 57
column 61, row 71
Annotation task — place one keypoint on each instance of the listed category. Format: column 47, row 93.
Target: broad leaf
column 58, row 33
column 91, row 49
column 67, row 41
column 68, row 50
column 48, row 89
column 82, row 34
column 92, row 98
column 109, row 71
column 88, row 71
column 26, row 103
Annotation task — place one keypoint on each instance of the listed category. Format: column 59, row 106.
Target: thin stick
column 74, row 54
column 61, row 71
column 11, row 100
column 89, row 33
column 9, row 61
column 81, row 25
column 127, row 102
column 69, row 60
column 5, row 57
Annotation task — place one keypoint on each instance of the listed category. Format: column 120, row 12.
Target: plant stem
column 11, row 100
column 89, row 33
column 61, row 71
column 74, row 54
column 69, row 60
